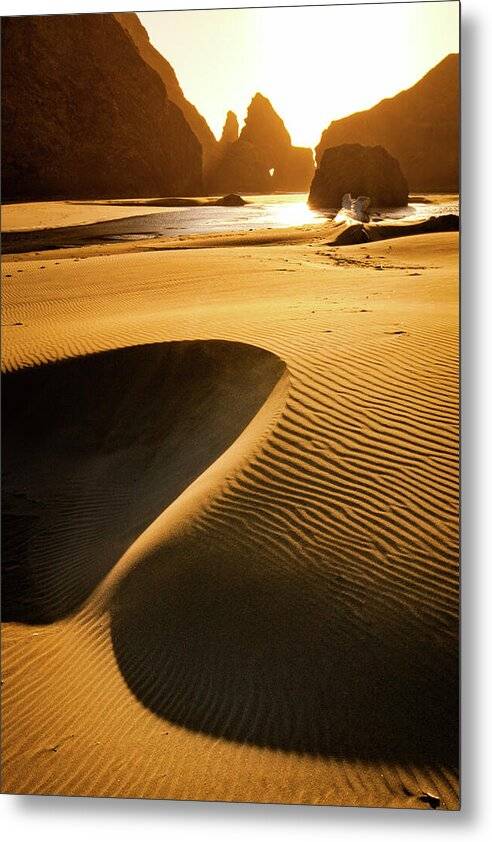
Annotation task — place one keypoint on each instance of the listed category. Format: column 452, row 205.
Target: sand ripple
column 261, row 539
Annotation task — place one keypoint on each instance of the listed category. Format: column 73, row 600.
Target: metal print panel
column 230, row 405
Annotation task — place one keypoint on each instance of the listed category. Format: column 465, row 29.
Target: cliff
column 419, row 126
column 84, row 116
column 197, row 123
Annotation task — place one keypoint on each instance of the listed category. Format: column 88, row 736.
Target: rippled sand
column 232, row 506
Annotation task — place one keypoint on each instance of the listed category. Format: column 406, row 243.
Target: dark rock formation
column 232, row 200
column 265, row 130
column 230, row 132
column 295, row 172
column 349, row 234
column 292, row 166
column 263, row 158
column 83, row 116
column 362, row 171
column 419, row 126
column 197, row 123
column 242, row 169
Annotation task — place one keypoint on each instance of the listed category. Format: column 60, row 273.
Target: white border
column 23, row 7
column 77, row 819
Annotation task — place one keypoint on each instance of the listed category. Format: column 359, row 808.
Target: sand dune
column 106, row 441
column 274, row 617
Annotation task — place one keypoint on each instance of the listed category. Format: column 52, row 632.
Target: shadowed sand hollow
column 242, row 645
column 97, row 446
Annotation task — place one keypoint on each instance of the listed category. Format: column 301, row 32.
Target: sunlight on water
column 266, row 212
column 294, row 213
column 416, row 211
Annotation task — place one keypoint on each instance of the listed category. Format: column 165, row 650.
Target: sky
column 315, row 64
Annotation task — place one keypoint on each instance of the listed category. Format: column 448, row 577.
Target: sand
column 240, row 522
column 33, row 216
column 38, row 216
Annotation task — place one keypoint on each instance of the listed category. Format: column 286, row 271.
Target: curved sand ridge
column 301, row 594
column 102, row 444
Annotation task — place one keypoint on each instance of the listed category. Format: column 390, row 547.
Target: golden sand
column 244, row 580
column 32, row 216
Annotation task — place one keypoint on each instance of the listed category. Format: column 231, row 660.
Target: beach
column 242, row 516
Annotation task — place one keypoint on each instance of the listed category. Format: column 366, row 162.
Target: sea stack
column 262, row 158
column 360, row 170
column 125, row 139
column 230, row 132
column 242, row 169
column 265, row 129
column 419, row 126
column 292, row 166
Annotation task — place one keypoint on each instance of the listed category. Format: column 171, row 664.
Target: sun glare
column 315, row 64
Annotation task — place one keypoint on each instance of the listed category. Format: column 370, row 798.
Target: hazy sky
column 315, row 64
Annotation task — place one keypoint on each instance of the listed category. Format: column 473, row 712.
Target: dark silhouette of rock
column 197, row 123
column 349, row 233
column 360, row 170
column 232, row 200
column 83, row 115
column 230, row 132
column 265, row 130
column 419, row 126
column 292, row 166
column 295, row 172
column 242, row 169
column 263, row 158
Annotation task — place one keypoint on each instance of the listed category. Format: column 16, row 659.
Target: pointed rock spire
column 230, row 132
